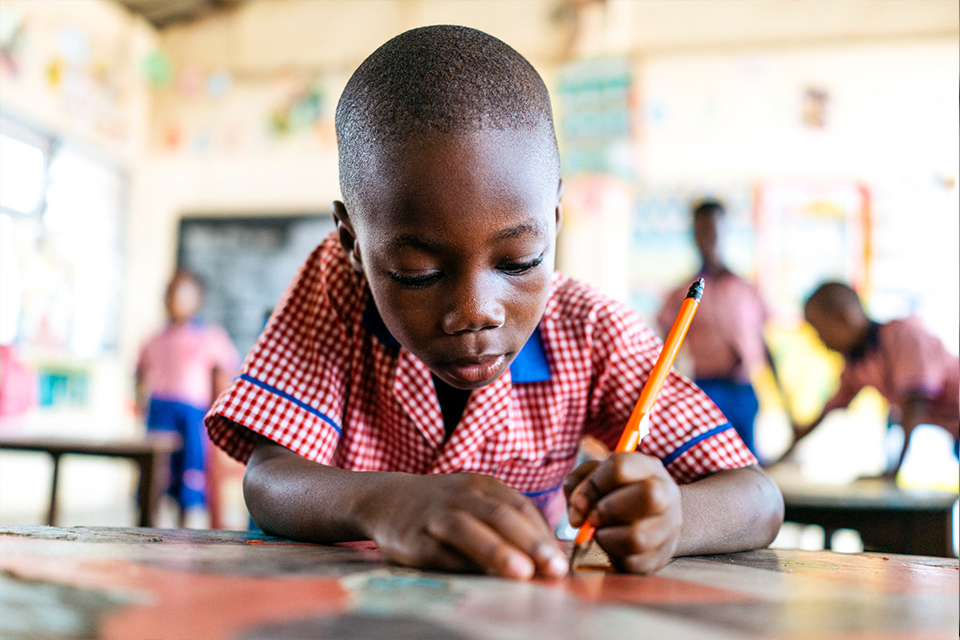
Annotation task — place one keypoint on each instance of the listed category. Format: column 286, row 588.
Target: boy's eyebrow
column 417, row 242
column 518, row 230
column 426, row 244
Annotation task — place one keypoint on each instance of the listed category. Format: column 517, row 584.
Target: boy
column 430, row 344
column 908, row 366
column 179, row 373
column 726, row 338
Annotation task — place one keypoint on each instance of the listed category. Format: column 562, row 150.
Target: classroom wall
column 892, row 122
column 258, row 144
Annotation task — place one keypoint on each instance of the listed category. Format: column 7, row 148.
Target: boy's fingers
column 644, row 563
column 522, row 525
column 577, row 475
column 437, row 555
column 522, row 504
column 481, row 544
column 629, row 503
column 617, row 470
column 628, row 540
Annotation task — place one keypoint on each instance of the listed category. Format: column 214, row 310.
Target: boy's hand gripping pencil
column 639, row 423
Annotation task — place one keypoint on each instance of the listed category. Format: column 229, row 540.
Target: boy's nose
column 474, row 306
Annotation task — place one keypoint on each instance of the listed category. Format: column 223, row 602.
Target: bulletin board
column 245, row 264
column 808, row 233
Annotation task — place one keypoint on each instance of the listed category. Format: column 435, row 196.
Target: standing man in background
column 180, row 372
column 726, row 339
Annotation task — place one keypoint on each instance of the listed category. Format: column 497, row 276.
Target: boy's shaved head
column 835, row 312
column 437, row 79
column 835, row 299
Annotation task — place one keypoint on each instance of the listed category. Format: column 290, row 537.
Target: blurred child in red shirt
column 900, row 359
column 179, row 373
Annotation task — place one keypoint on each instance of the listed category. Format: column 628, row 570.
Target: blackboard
column 245, row 264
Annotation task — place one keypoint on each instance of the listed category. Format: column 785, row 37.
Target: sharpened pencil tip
column 573, row 556
column 579, row 551
column 696, row 290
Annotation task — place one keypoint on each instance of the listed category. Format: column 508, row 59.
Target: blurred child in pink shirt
column 908, row 366
column 725, row 340
column 179, row 373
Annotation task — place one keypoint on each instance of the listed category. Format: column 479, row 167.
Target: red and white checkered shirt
column 327, row 381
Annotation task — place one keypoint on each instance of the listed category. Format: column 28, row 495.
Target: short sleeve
column 911, row 360
column 292, row 385
column 687, row 431
column 143, row 358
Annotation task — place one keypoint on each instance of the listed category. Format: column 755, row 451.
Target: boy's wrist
column 376, row 490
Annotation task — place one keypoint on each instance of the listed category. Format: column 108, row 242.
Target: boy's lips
column 476, row 369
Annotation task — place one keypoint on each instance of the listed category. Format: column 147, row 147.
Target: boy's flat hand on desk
column 464, row 522
column 635, row 506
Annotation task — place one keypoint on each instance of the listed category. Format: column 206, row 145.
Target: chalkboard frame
column 244, row 333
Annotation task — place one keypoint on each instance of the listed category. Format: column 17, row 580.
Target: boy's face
column 183, row 299
column 455, row 234
column 706, row 233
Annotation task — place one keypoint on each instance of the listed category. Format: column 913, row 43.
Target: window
column 61, row 223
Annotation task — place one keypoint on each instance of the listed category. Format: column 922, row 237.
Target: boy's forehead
column 463, row 173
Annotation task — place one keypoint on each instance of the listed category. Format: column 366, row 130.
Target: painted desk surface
column 151, row 583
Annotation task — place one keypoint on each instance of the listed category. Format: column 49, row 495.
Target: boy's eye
column 414, row 282
column 516, row 268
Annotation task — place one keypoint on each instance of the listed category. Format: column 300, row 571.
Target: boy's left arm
column 914, row 411
column 644, row 518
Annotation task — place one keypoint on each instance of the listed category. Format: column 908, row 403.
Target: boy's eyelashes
column 427, row 279
column 414, row 282
column 515, row 268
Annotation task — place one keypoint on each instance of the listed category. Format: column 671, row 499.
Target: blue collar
column 530, row 365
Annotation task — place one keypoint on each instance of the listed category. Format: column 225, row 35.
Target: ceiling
column 163, row 13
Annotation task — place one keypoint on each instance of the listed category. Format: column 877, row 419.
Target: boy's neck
column 864, row 333
column 453, row 402
column 713, row 268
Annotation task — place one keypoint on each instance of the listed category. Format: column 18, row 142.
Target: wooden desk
column 151, row 455
column 889, row 519
column 160, row 584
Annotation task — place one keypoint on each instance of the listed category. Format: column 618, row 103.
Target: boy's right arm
column 455, row 522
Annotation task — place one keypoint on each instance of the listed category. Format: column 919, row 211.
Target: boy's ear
column 347, row 235
column 559, row 207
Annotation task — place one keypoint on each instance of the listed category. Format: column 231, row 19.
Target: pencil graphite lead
column 573, row 556
column 696, row 290
column 578, row 552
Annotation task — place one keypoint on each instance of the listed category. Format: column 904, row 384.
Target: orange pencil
column 639, row 423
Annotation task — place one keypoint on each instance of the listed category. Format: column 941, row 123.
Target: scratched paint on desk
column 649, row 590
column 884, row 573
column 40, row 609
column 179, row 603
column 136, row 584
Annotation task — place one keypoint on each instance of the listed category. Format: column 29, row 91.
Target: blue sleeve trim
column 287, row 396
column 679, row 451
column 534, row 494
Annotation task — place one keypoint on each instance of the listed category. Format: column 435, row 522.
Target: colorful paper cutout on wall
column 157, row 68
column 11, row 40
column 218, row 84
